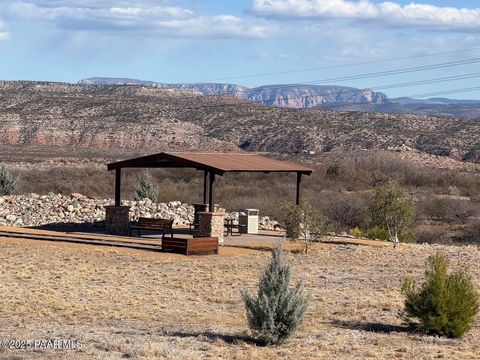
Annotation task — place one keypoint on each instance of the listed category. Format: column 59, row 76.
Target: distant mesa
column 291, row 95
column 327, row 97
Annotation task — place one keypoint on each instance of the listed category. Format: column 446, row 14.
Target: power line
column 338, row 66
column 361, row 76
column 430, row 81
column 390, row 86
column 446, row 92
column 339, row 79
column 375, row 74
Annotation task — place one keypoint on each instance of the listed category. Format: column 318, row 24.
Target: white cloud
column 387, row 12
column 4, row 35
column 166, row 21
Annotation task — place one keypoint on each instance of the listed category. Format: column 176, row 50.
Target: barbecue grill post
column 205, row 188
column 299, row 181
column 118, row 178
column 211, row 207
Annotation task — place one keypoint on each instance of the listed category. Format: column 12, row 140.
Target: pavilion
column 212, row 164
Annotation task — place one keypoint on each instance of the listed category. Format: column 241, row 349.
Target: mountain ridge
column 109, row 120
column 282, row 95
column 304, row 96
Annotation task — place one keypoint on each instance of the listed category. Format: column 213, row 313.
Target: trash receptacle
column 248, row 221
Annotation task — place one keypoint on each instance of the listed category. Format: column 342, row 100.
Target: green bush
column 393, row 209
column 290, row 217
column 357, row 232
column 378, row 233
column 445, row 304
column 304, row 222
column 8, row 184
column 145, row 188
column 278, row 310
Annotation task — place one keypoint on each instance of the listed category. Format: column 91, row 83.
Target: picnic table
column 229, row 225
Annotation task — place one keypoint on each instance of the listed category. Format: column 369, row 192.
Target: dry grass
column 137, row 304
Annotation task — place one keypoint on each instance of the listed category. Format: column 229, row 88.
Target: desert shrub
column 357, row 232
column 445, row 304
column 345, row 211
column 304, row 222
column 433, row 235
column 377, row 233
column 456, row 211
column 471, row 233
column 393, row 209
column 333, row 172
column 407, row 235
column 8, row 184
column 145, row 188
column 277, row 310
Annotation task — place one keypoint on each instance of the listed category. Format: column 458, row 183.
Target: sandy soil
column 124, row 303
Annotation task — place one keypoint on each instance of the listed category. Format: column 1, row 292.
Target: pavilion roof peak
column 217, row 162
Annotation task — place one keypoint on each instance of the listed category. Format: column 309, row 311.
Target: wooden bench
column 195, row 246
column 163, row 225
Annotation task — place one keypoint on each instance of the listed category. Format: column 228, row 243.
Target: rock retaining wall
column 35, row 210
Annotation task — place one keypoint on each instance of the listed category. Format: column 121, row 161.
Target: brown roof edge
column 214, row 162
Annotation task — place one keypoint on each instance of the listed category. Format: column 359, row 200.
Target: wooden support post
column 118, row 180
column 205, row 188
column 211, row 207
column 299, row 182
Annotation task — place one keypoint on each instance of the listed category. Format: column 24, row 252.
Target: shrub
column 357, row 232
column 345, row 211
column 377, row 233
column 393, row 209
column 471, row 233
column 333, row 172
column 304, row 222
column 278, row 310
column 8, row 184
column 145, row 188
column 446, row 304
column 448, row 210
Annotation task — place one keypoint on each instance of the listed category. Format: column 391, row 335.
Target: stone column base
column 117, row 221
column 211, row 225
column 198, row 208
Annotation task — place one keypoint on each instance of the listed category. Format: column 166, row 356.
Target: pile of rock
column 269, row 224
column 36, row 210
column 264, row 222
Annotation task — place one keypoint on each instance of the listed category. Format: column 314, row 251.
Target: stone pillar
column 211, row 225
column 117, row 221
column 198, row 208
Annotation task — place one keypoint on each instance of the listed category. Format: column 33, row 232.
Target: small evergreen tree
column 278, row 310
column 304, row 222
column 446, row 304
column 392, row 209
column 8, row 184
column 145, row 188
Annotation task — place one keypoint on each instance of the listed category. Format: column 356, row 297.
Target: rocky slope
column 89, row 117
column 44, row 118
column 469, row 110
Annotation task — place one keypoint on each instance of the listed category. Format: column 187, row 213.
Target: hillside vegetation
column 109, row 119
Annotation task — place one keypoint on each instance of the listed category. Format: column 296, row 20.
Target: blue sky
column 250, row 42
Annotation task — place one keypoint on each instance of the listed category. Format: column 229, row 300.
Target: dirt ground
column 124, row 303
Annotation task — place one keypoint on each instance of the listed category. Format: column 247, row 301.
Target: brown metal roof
column 216, row 162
